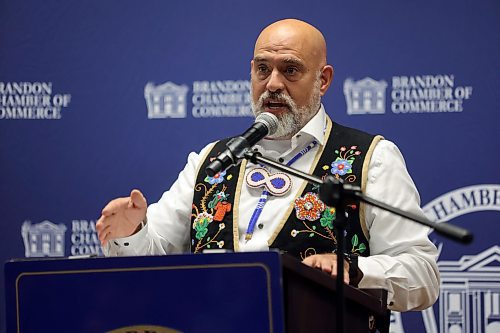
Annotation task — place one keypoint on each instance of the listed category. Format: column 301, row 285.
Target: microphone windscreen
column 269, row 120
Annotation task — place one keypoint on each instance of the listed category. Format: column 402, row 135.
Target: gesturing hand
column 121, row 217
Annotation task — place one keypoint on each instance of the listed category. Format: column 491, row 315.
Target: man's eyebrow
column 293, row 61
column 290, row 60
column 259, row 59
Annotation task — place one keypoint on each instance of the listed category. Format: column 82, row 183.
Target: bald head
column 295, row 35
column 290, row 74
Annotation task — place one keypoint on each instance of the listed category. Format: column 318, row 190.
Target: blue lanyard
column 265, row 194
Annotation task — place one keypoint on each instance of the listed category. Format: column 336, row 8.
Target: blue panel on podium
column 237, row 292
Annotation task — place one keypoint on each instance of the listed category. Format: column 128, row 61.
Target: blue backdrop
column 99, row 97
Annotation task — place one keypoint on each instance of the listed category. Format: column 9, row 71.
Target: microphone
column 265, row 124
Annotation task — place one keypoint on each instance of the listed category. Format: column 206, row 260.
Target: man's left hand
column 327, row 263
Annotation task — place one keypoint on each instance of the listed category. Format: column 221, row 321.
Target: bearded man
column 240, row 211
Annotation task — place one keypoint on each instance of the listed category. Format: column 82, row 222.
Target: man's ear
column 326, row 78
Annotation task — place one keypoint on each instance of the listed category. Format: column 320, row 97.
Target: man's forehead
column 282, row 41
column 289, row 50
column 294, row 38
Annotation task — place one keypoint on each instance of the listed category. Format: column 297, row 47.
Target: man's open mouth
column 275, row 105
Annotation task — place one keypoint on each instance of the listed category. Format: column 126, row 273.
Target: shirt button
column 260, row 226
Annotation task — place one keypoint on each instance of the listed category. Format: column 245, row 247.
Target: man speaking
column 250, row 207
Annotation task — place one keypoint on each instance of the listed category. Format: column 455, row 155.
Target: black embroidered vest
column 307, row 227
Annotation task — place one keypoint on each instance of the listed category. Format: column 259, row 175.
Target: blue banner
column 97, row 98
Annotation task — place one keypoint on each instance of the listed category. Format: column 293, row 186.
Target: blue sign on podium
column 236, row 292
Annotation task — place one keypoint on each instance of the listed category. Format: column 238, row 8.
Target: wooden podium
column 310, row 304
column 228, row 292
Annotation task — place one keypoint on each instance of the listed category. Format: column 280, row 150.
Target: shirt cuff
column 373, row 277
column 127, row 246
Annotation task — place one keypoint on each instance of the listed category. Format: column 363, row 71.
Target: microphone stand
column 335, row 193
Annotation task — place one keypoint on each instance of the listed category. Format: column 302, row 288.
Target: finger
column 137, row 199
column 102, row 233
column 99, row 225
column 333, row 268
column 310, row 261
column 346, row 276
column 328, row 266
column 106, row 237
column 114, row 206
column 333, row 272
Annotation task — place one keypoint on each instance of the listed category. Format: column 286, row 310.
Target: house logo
column 44, row 239
column 469, row 299
column 167, row 100
column 366, row 96
column 470, row 293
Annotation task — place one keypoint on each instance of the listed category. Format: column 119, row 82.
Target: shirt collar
column 314, row 129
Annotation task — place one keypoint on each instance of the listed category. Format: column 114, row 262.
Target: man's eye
column 262, row 69
column 291, row 70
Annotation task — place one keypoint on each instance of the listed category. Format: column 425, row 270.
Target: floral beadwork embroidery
column 220, row 204
column 309, row 207
column 219, row 196
column 309, row 229
column 221, row 209
column 356, row 246
column 216, row 179
column 342, row 165
column 200, row 224
column 328, row 217
column 212, row 212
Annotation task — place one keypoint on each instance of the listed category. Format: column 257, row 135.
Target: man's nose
column 275, row 82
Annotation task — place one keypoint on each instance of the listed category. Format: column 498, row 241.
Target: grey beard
column 296, row 118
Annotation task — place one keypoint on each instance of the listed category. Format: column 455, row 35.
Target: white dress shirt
column 402, row 258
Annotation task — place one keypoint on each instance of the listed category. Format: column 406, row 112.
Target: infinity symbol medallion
column 277, row 184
